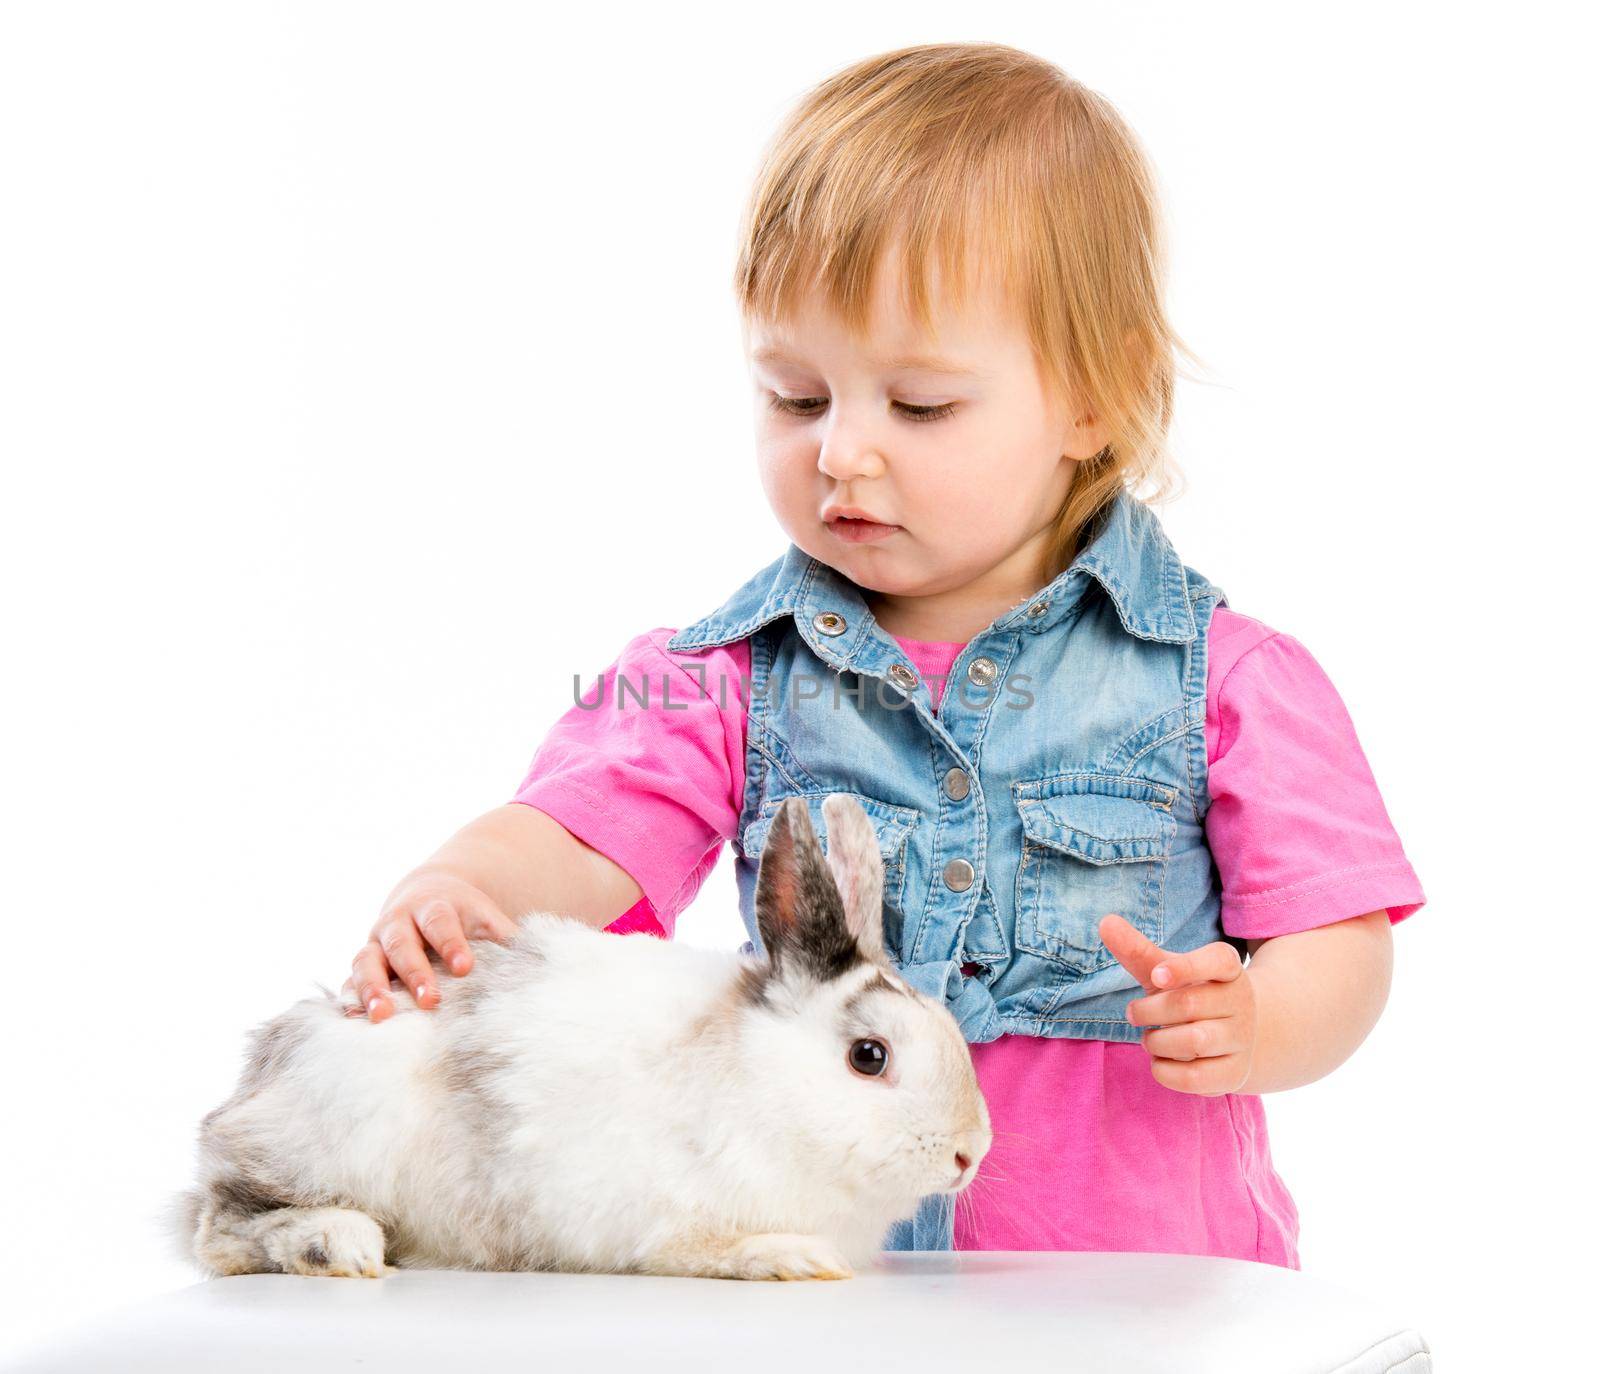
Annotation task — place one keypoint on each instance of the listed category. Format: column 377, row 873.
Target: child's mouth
column 854, row 531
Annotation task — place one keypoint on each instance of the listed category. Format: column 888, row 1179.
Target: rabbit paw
column 778, row 1255
column 329, row 1242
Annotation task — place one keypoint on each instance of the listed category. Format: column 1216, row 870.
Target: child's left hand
column 1204, row 1009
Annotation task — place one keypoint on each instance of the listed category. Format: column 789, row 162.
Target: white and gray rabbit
column 594, row 1102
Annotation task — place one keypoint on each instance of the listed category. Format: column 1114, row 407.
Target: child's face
column 971, row 466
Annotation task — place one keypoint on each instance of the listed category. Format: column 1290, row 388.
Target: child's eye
column 793, row 405
column 926, row 412
column 804, row 406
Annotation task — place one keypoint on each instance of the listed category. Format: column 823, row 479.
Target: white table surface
column 916, row 1310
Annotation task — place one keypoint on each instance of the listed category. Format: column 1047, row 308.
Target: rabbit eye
column 869, row 1057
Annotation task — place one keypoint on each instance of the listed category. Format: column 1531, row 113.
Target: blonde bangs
column 963, row 149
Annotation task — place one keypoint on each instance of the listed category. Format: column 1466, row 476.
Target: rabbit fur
column 594, row 1102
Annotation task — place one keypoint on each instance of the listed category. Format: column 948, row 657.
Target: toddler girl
column 1129, row 836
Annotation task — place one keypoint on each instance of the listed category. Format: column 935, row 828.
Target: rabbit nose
column 962, row 1162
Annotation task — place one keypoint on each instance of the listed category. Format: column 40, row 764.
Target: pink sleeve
column 1297, row 827
column 648, row 768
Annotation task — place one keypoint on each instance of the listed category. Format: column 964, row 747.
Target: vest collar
column 1130, row 557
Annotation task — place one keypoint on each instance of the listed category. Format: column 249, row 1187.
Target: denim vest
column 1064, row 777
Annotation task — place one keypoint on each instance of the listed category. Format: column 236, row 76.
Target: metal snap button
column 829, row 622
column 903, row 676
column 1038, row 608
column 956, row 784
column 982, row 671
column 958, row 875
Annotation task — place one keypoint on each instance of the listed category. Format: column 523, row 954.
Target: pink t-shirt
column 1090, row 1151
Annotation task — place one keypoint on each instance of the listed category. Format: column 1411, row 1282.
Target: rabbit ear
column 798, row 908
column 857, row 868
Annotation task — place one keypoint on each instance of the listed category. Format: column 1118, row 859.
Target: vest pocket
column 892, row 824
column 1093, row 843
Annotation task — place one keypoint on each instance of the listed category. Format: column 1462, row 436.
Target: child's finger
column 1197, row 1002
column 369, row 971
column 403, row 944
column 1132, row 948
column 1196, row 1039
column 486, row 921
column 438, row 921
column 1217, row 962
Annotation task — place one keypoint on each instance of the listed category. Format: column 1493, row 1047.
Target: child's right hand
column 446, row 911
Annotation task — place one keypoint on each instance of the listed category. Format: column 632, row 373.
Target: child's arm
column 1318, row 993
column 509, row 861
column 1302, row 842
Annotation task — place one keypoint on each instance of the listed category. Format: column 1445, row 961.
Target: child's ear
column 1086, row 435
column 1086, row 438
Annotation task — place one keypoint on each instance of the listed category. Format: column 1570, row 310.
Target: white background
column 366, row 372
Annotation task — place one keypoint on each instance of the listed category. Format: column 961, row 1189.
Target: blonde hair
column 983, row 147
